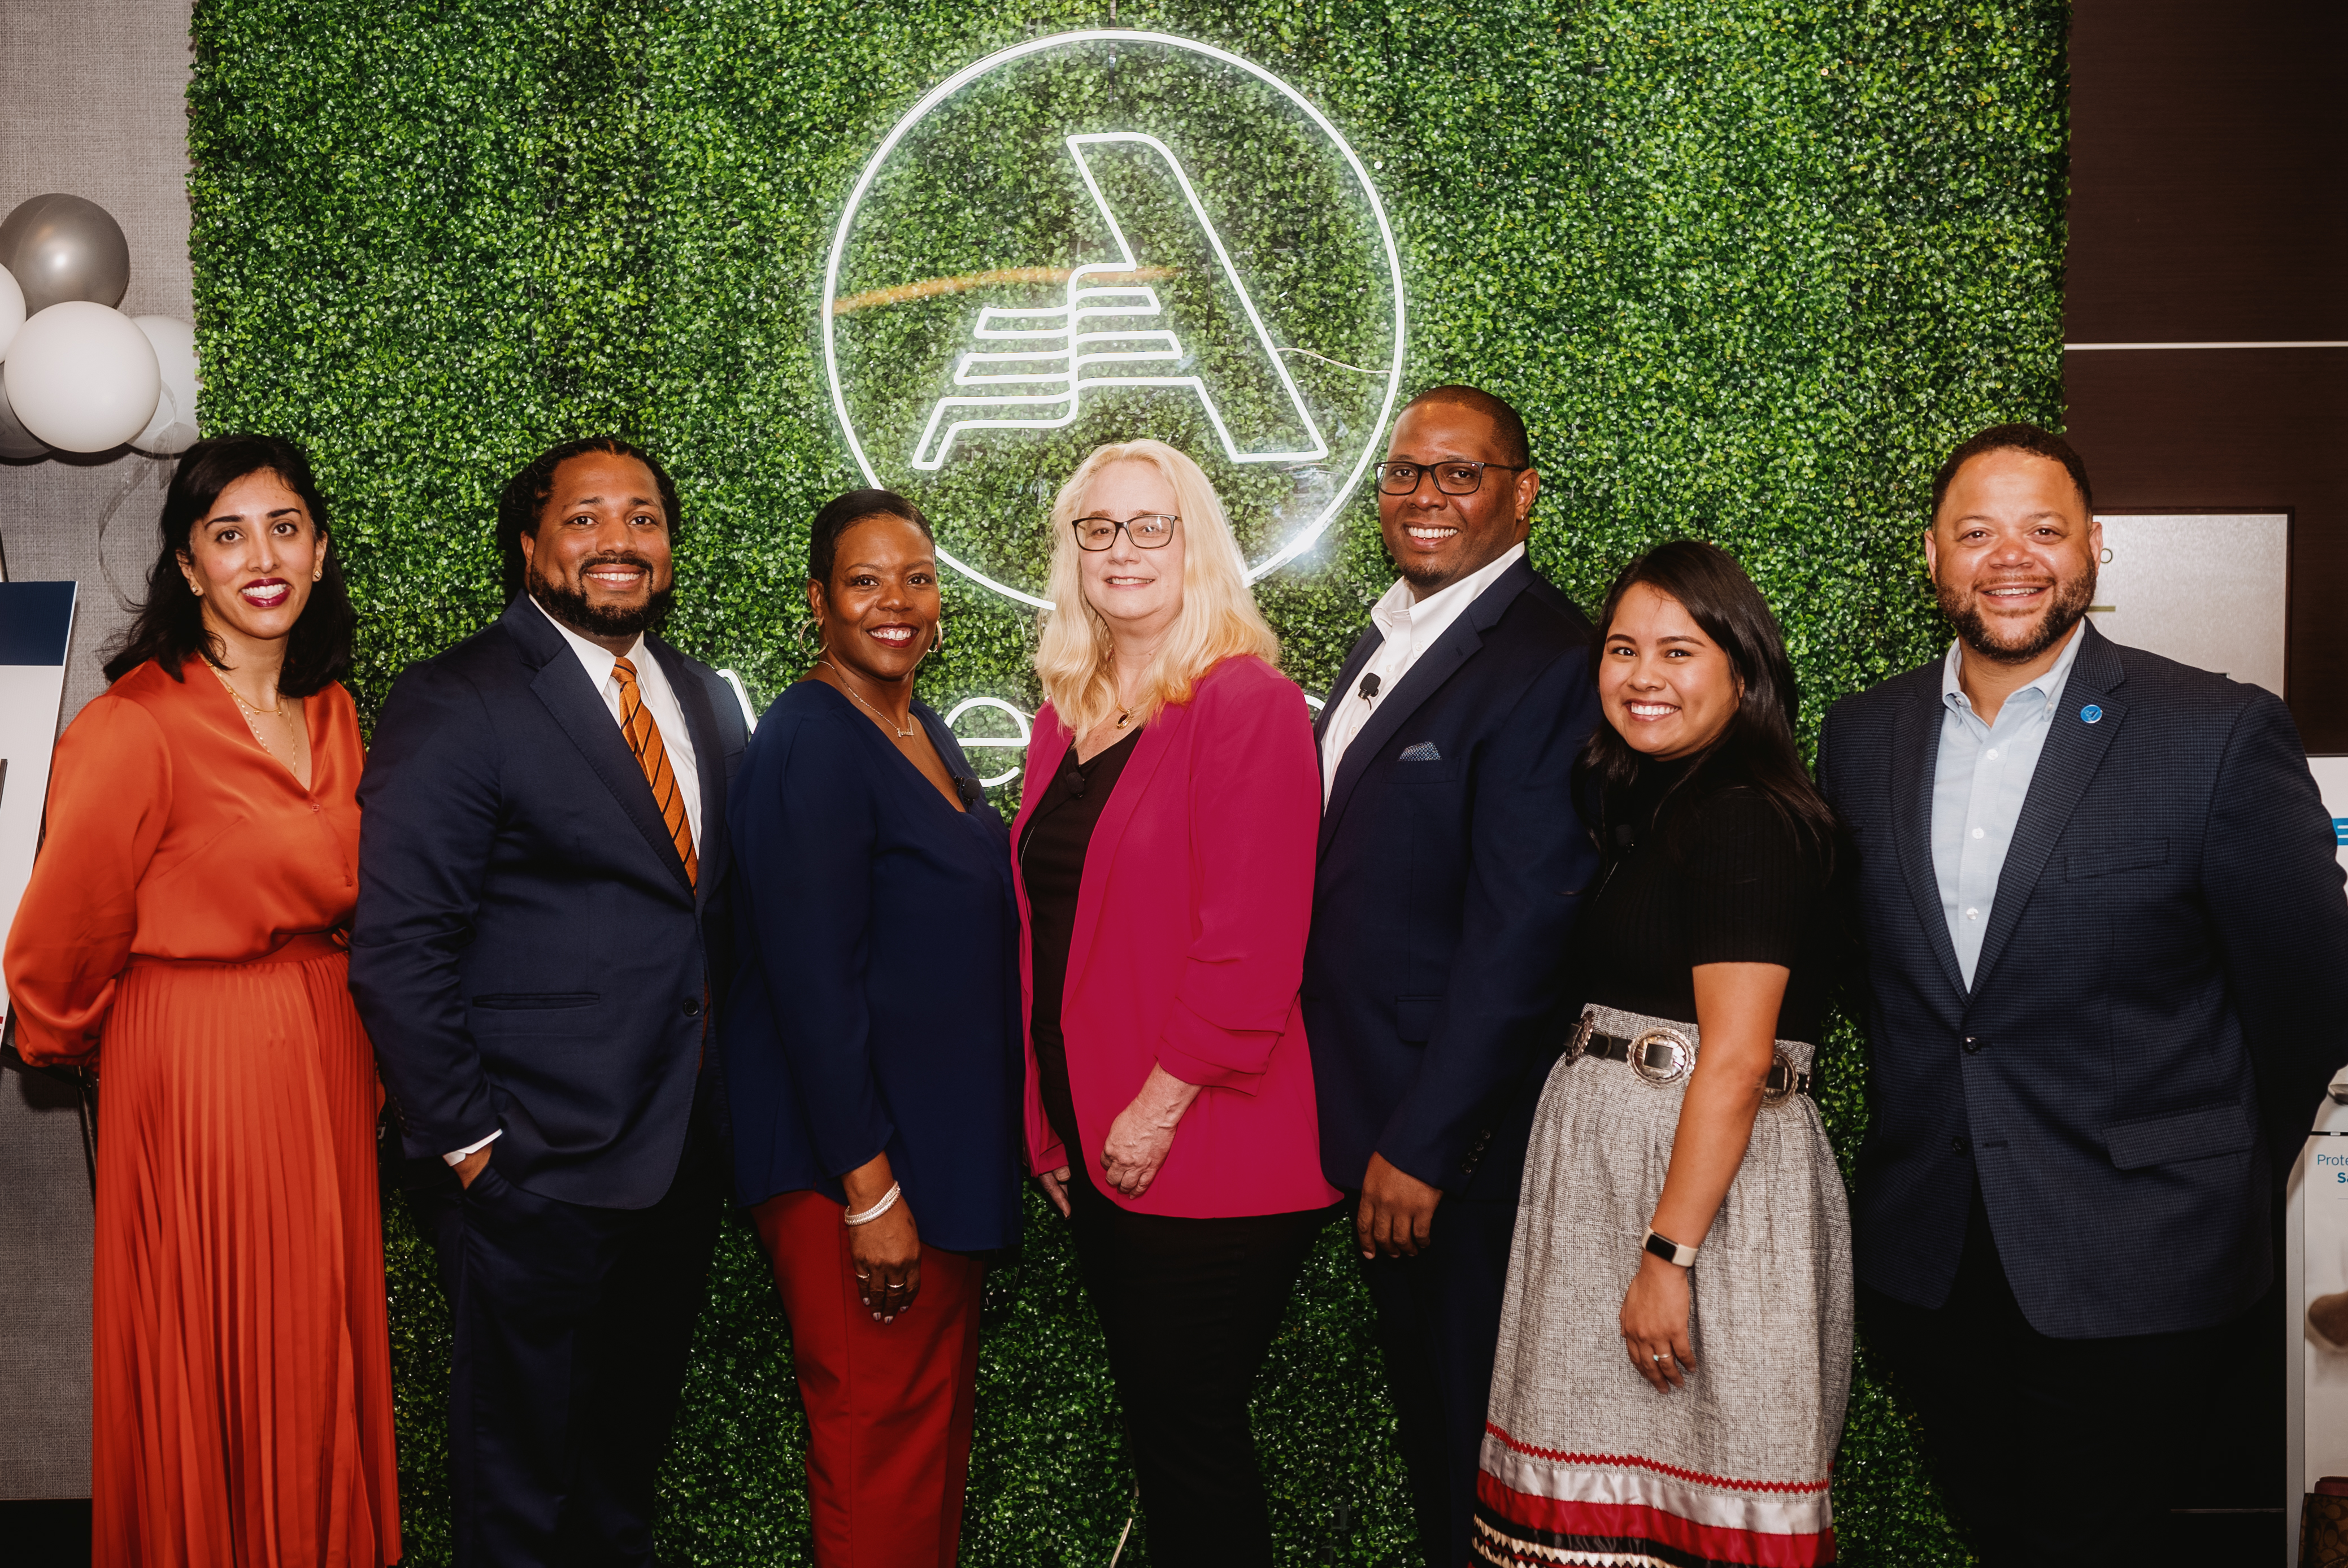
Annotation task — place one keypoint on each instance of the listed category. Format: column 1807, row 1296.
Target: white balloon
column 12, row 308
column 82, row 377
column 172, row 430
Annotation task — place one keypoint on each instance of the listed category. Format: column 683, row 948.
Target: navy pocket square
column 1424, row 752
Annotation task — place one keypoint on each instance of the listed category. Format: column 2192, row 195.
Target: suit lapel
column 1915, row 762
column 563, row 685
column 1366, row 647
column 709, row 761
column 2074, row 749
column 1459, row 642
column 1116, row 817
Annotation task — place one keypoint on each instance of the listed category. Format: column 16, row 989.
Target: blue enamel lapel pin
column 2091, row 714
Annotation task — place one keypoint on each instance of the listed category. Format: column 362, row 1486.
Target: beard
column 570, row 605
column 1962, row 608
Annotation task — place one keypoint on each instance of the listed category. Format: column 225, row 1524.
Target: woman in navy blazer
column 871, row 1044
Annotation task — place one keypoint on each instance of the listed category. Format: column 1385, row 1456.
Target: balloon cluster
column 75, row 373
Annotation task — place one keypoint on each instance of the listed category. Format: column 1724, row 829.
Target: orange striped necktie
column 644, row 739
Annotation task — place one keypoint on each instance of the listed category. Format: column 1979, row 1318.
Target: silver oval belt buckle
column 1580, row 1040
column 1784, row 1076
column 1662, row 1056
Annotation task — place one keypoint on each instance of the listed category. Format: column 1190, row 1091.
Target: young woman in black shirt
column 1675, row 1348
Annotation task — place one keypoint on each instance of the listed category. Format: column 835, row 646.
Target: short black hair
column 1505, row 421
column 843, row 512
column 525, row 496
column 2015, row 438
column 170, row 627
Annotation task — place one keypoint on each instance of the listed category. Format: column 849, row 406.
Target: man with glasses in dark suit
column 1452, row 866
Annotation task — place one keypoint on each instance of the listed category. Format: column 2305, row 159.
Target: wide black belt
column 1665, row 1056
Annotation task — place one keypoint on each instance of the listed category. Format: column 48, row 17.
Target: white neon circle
column 1304, row 538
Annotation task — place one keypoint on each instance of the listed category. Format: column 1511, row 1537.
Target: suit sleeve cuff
column 459, row 1156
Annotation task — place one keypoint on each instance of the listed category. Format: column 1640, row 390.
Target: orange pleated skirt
column 240, row 1365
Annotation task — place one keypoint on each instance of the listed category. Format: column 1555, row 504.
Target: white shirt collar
column 1397, row 614
column 2048, row 685
column 597, row 658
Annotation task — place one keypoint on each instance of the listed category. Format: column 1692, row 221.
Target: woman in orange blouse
column 185, row 932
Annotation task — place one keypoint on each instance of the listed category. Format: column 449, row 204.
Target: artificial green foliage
column 1749, row 267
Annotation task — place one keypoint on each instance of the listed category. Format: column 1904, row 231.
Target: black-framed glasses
column 1451, row 478
column 1148, row 531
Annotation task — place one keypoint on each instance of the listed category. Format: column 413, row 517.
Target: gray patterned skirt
column 1583, row 1461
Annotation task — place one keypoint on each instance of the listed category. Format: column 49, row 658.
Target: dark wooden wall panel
column 2209, row 171
column 2251, row 430
column 2209, row 203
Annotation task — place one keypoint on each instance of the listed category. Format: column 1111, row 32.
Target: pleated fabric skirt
column 1583, row 1461
column 240, row 1361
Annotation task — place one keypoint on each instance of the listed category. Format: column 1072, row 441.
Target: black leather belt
column 1662, row 1057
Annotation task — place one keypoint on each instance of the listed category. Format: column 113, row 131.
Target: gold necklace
column 901, row 734
column 252, row 714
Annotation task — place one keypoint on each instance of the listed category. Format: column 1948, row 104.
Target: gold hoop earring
column 939, row 640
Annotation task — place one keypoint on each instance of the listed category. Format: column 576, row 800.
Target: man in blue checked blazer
column 2107, row 953
column 1452, row 867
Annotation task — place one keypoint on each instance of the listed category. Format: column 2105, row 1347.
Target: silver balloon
column 16, row 443
column 63, row 248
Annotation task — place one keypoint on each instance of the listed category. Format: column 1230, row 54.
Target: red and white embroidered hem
column 1540, row 1507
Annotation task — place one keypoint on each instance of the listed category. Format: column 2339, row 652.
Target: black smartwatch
column 1669, row 1251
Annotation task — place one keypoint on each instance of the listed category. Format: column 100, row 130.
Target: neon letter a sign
column 1107, row 331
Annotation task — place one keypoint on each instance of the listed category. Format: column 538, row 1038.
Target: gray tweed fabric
column 1748, row 1442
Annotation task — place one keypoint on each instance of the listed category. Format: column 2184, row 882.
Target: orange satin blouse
column 173, row 835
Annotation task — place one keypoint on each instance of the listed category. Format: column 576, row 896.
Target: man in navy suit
column 541, row 904
column 2108, row 957
column 1452, row 866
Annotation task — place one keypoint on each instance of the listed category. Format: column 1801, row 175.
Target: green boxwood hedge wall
column 1748, row 266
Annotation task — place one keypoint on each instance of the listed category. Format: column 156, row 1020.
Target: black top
column 1720, row 877
column 1052, row 848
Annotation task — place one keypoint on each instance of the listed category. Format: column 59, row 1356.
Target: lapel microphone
column 1370, row 686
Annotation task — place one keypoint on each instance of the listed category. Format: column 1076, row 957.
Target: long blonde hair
column 1218, row 618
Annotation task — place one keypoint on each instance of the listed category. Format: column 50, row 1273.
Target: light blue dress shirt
column 1978, row 787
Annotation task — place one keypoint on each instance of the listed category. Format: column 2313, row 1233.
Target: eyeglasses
column 1148, row 531
column 1451, row 478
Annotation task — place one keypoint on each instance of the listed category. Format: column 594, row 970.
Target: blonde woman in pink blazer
column 1165, row 846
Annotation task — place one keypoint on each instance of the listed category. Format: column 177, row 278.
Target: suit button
column 1973, row 1043
column 693, row 1007
column 1959, row 1145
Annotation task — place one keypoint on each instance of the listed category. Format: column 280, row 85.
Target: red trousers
column 889, row 1405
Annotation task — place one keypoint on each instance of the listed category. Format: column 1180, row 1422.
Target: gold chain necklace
column 901, row 734
column 252, row 714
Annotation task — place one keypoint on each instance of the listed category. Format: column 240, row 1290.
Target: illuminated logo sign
column 1103, row 235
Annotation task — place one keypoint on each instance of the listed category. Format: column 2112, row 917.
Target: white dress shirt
column 1980, row 781
column 676, row 739
column 1409, row 627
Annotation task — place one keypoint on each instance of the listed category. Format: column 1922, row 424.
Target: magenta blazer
column 1188, row 947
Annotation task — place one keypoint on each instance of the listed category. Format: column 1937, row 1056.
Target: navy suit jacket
column 2165, row 971
column 1449, row 882
column 528, row 953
